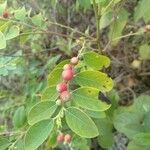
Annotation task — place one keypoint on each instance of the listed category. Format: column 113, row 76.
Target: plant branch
column 97, row 17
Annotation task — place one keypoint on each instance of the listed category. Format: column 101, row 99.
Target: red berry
column 60, row 138
column 74, row 60
column 67, row 138
column 67, row 67
column 61, row 87
column 5, row 14
column 65, row 96
column 147, row 27
column 67, row 75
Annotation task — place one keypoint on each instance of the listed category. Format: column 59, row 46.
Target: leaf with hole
column 87, row 98
column 96, row 61
column 94, row 79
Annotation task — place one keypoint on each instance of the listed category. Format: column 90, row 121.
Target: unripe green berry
column 58, row 102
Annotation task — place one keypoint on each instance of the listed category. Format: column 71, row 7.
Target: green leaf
column 50, row 94
column 4, row 143
column 3, row 7
column 37, row 134
column 80, row 123
column 133, row 146
column 41, row 111
column 2, row 41
column 142, row 11
column 37, row 20
column 128, row 123
column 19, row 118
column 85, row 3
column 95, row 114
column 118, row 26
column 54, row 77
column 105, row 127
column 142, row 139
column 20, row 14
column 144, row 51
column 87, row 98
column 12, row 33
column 146, row 122
column 106, row 19
column 96, row 61
column 94, row 79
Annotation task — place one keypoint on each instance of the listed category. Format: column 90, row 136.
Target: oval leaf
column 96, row 61
column 12, row 33
column 50, row 94
column 19, row 118
column 94, row 79
column 87, row 98
column 37, row 134
column 2, row 41
column 80, row 123
column 42, row 110
column 54, row 77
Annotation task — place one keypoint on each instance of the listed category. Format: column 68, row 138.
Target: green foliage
column 80, row 123
column 2, row 41
column 37, row 134
column 96, row 61
column 142, row 11
column 19, row 118
column 94, row 79
column 40, row 111
column 4, row 143
column 144, row 51
column 90, row 95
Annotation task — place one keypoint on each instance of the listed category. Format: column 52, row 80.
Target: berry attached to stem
column 65, row 96
column 60, row 138
column 67, row 138
column 67, row 67
column 67, row 75
column 61, row 87
column 147, row 27
column 5, row 14
column 74, row 60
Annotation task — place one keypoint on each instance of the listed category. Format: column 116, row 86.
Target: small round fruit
column 74, row 60
column 67, row 138
column 61, row 87
column 58, row 102
column 65, row 96
column 67, row 75
column 147, row 27
column 60, row 138
column 67, row 67
column 5, row 14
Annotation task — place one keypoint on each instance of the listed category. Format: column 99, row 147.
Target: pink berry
column 67, row 67
column 67, row 138
column 61, row 87
column 67, row 75
column 60, row 138
column 65, row 96
column 74, row 60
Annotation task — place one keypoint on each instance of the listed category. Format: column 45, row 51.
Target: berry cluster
column 64, row 138
column 67, row 75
